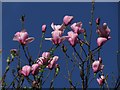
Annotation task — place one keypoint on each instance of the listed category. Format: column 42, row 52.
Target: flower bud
column 43, row 28
column 98, row 21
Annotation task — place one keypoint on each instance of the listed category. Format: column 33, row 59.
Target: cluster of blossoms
column 46, row 60
column 98, row 66
column 72, row 36
column 104, row 35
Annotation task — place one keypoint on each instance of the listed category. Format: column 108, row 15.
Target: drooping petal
column 101, row 41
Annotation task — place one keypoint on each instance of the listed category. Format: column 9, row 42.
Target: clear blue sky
column 46, row 13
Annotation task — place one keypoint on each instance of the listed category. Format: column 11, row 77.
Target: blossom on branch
column 43, row 28
column 25, row 70
column 72, row 38
column 101, row 80
column 22, row 37
column 35, row 69
column 104, row 34
column 77, row 28
column 57, row 37
column 97, row 65
column 52, row 62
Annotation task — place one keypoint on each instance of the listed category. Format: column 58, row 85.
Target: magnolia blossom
column 44, row 59
column 77, row 28
column 57, row 37
column 72, row 38
column 46, row 54
column 97, row 65
column 22, row 37
column 43, row 28
column 35, row 69
column 67, row 19
column 104, row 34
column 52, row 62
column 101, row 80
column 41, row 61
column 25, row 70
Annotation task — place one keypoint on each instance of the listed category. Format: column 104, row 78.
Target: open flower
column 35, row 69
column 72, row 38
column 67, row 19
column 77, row 28
column 22, row 37
column 57, row 37
column 52, row 62
column 97, row 65
column 101, row 80
column 104, row 34
column 25, row 70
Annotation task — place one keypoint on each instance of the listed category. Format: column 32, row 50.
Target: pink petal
column 67, row 19
column 30, row 39
column 101, row 41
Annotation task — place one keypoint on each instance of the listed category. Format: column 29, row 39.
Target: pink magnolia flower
column 41, row 61
column 22, row 37
column 35, row 69
column 104, row 34
column 97, row 66
column 25, row 70
column 43, row 28
column 72, row 38
column 77, row 28
column 57, row 37
column 52, row 62
column 67, row 19
column 46, row 55
column 101, row 80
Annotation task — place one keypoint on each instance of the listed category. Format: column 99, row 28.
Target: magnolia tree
column 33, row 71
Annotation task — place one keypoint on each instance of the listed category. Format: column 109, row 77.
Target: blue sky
column 46, row 13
